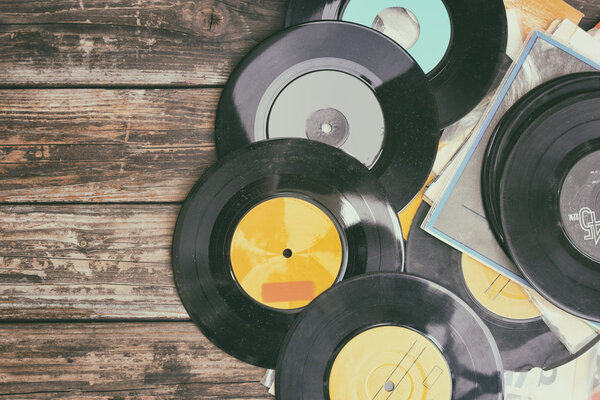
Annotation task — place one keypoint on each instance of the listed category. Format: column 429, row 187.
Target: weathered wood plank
column 88, row 262
column 119, row 360
column 139, row 42
column 130, row 42
column 95, row 145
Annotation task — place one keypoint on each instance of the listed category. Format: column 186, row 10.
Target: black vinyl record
column 381, row 334
column 341, row 84
column 550, row 204
column 460, row 44
column 523, row 338
column 509, row 129
column 542, row 197
column 270, row 227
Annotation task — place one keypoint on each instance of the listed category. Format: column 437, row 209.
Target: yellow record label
column 390, row 362
column 285, row 252
column 496, row 292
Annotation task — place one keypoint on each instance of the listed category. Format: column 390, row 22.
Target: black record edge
column 226, row 315
column 476, row 53
column 389, row 299
column 529, row 204
column 409, row 106
column 508, row 130
column 523, row 344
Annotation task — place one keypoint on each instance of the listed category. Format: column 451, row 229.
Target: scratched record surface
column 270, row 227
column 550, row 203
column 510, row 128
column 523, row 338
column 341, row 84
column 389, row 336
column 459, row 44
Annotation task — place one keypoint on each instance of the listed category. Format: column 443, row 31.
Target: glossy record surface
column 510, row 128
column 399, row 85
column 288, row 168
column 374, row 300
column 465, row 75
column 529, row 204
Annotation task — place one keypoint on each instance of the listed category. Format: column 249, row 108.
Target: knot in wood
column 210, row 20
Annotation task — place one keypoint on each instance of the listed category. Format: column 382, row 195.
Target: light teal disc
column 434, row 21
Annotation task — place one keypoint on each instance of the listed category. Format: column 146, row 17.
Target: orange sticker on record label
column 278, row 292
column 285, row 252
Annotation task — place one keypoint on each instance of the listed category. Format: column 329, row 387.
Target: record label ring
column 459, row 44
column 357, row 90
column 268, row 229
column 388, row 336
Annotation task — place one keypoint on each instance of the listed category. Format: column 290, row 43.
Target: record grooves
column 469, row 36
column 509, row 129
column 524, row 343
column 542, row 195
column 357, row 91
column 266, row 230
column 413, row 338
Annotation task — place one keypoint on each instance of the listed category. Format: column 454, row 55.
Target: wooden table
column 106, row 120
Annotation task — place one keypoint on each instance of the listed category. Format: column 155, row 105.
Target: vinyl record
column 460, row 44
column 509, row 129
column 389, row 336
column 523, row 338
column 341, row 84
column 269, row 228
column 550, row 204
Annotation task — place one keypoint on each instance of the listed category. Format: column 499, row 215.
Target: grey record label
column 580, row 205
column 334, row 108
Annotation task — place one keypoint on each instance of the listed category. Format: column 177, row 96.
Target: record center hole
column 287, row 253
column 399, row 24
column 389, row 386
column 326, row 128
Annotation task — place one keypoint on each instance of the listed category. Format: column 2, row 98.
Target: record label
column 496, row 293
column 402, row 21
column 331, row 107
column 390, row 362
column 580, row 205
column 270, row 227
column 285, row 252
column 357, row 91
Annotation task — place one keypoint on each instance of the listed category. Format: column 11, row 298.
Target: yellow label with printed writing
column 390, row 362
column 497, row 293
column 285, row 252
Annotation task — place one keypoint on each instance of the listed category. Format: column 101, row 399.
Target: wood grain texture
column 88, row 262
column 119, row 361
column 130, row 42
column 96, row 145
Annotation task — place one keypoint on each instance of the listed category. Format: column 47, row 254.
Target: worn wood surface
column 130, row 42
column 97, row 145
column 120, row 360
column 106, row 116
column 88, row 262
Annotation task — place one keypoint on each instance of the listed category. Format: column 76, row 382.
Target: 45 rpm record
column 550, row 202
column 269, row 228
column 510, row 128
column 460, row 44
column 389, row 336
column 523, row 338
column 341, row 84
